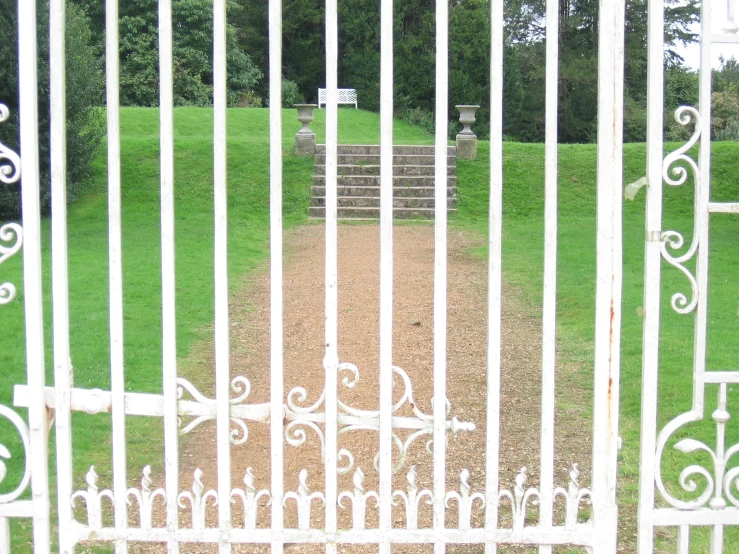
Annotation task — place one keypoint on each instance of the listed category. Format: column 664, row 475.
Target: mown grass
column 523, row 233
column 248, row 205
column 248, row 174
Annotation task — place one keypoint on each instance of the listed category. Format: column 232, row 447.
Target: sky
column 692, row 52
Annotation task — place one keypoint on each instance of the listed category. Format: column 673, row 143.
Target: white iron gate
column 702, row 496
column 112, row 522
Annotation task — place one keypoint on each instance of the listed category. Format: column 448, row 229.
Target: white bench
column 346, row 96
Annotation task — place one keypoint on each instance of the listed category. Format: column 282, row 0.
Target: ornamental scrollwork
column 720, row 485
column 10, row 162
column 239, row 385
column 12, row 235
column 22, row 429
column 301, row 416
column 520, row 498
column 675, row 174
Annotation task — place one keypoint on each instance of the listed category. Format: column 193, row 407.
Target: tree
column 85, row 118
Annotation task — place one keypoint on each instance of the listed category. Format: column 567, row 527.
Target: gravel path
column 413, row 351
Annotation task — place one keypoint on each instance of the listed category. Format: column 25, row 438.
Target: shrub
column 85, row 117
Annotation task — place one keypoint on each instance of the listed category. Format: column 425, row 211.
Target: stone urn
column 467, row 117
column 305, row 139
column 466, row 139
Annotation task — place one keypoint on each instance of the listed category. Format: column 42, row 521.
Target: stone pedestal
column 466, row 146
column 466, row 139
column 305, row 139
column 305, row 144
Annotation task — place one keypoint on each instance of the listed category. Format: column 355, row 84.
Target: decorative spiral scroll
column 302, row 416
column 22, row 429
column 672, row 240
column 716, row 483
column 12, row 234
column 239, row 385
column 10, row 162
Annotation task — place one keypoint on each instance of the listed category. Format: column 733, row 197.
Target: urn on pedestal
column 466, row 139
column 305, row 139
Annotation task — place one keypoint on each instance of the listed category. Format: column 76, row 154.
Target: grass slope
column 248, row 182
column 523, row 232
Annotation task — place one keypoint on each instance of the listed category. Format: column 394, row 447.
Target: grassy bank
column 248, row 182
column 523, row 232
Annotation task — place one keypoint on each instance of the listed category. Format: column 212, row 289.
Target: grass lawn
column 523, row 232
column 248, row 212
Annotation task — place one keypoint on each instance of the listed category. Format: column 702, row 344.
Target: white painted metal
column 711, row 503
column 343, row 96
column 117, row 379
column 223, row 371
column 169, row 324
column 652, row 261
column 276, row 280
column 440, row 270
column 608, row 274
column 331, row 357
column 495, row 242
column 60, row 282
column 549, row 297
column 283, row 413
column 385, row 464
column 32, row 271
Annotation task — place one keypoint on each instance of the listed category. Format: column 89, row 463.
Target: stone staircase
column 359, row 182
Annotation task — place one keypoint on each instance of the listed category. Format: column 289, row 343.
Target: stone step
column 400, row 159
column 374, row 149
column 374, row 213
column 398, row 192
column 398, row 170
column 374, row 180
column 374, row 202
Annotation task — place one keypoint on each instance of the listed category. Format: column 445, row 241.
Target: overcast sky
column 692, row 52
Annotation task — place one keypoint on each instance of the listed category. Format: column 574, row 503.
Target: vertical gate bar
column 4, row 535
column 549, row 304
column 683, row 539
column 386, row 272
column 220, row 266
column 169, row 322
column 702, row 196
column 276, row 281
column 717, row 539
column 609, row 274
column 440, row 268
column 331, row 360
column 117, row 379
column 32, row 290
column 495, row 238
column 652, row 263
column 59, row 269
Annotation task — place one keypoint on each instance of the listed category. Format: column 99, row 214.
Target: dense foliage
column 85, row 118
column 469, row 58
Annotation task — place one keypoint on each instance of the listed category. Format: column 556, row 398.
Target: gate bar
column 549, row 295
column 276, row 280
column 609, row 273
column 32, row 290
column 440, row 267
column 386, row 274
column 652, row 263
column 331, row 359
column 117, row 379
column 220, row 266
column 59, row 267
column 169, row 321
column 495, row 240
